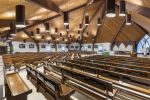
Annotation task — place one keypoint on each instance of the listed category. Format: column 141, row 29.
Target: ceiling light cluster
column 111, row 10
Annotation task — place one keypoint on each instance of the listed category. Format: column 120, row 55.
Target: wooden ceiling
column 38, row 12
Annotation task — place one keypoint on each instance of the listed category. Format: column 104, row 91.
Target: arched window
column 144, row 45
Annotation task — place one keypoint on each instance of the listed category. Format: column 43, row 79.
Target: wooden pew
column 51, row 84
column 117, row 72
column 16, row 88
column 102, row 89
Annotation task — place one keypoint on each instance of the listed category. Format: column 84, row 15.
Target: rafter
column 95, row 13
column 48, row 4
column 36, row 42
column 101, row 27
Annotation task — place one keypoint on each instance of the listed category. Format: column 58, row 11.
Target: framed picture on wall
column 72, row 46
column 21, row 45
column 43, row 46
column 95, row 46
column 53, row 46
column 31, row 45
column 76, row 47
column 89, row 46
column 59, row 46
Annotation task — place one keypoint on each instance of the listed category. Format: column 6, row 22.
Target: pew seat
column 16, row 86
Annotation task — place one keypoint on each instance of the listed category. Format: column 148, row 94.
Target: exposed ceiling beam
column 6, row 23
column 26, row 32
column 101, row 27
column 118, row 31
column 53, row 17
column 95, row 13
column 145, row 31
column 48, row 4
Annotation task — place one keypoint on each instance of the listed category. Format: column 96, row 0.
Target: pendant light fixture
column 99, row 21
column 78, row 32
column 110, row 8
column 37, row 30
column 70, row 36
column 56, row 30
column 12, row 29
column 86, row 19
column 66, row 18
column 20, row 16
column 60, row 34
column 46, row 27
column 42, row 37
column 122, row 8
column 48, row 42
column 54, row 38
column 80, row 27
column 24, row 40
column 67, row 28
column 128, row 19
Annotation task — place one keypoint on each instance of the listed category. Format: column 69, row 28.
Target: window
column 144, row 45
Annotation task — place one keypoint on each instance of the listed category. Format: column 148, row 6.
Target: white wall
column 122, row 47
column 48, row 47
column 85, row 47
column 104, row 46
column 74, row 45
column 62, row 48
column 26, row 49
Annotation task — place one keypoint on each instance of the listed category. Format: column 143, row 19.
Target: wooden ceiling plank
column 103, row 20
column 118, row 31
column 48, row 4
column 100, row 6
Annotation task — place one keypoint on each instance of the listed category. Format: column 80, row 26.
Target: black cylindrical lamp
column 56, row 30
column 80, row 27
column 37, row 30
column 48, row 42
column 78, row 32
column 42, row 37
column 20, row 16
column 99, row 21
column 128, row 19
column 122, row 8
column 86, row 20
column 46, row 27
column 60, row 34
column 110, row 8
column 66, row 18
column 67, row 27
column 24, row 41
column 70, row 36
column 12, row 29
